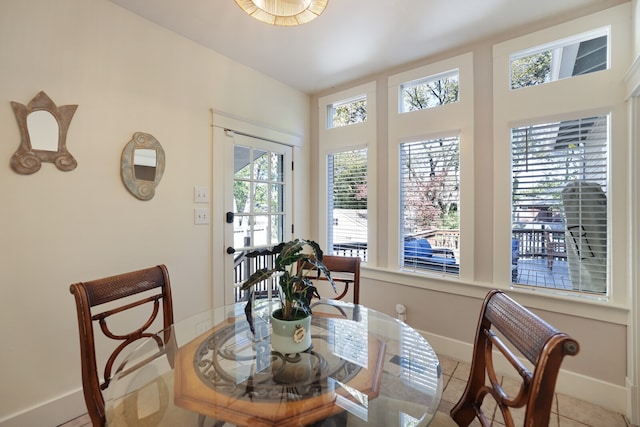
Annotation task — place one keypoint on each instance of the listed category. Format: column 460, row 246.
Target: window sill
column 541, row 299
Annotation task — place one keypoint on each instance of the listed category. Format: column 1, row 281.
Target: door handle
column 231, row 250
column 230, row 217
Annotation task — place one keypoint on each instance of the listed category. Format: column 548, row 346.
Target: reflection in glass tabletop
column 364, row 368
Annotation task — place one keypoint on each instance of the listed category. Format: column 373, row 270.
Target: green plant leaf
column 322, row 269
column 289, row 254
column 296, row 289
column 317, row 252
column 257, row 277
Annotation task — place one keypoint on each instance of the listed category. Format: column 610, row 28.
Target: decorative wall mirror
column 43, row 135
column 142, row 165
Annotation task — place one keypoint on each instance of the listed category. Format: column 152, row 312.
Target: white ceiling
column 353, row 38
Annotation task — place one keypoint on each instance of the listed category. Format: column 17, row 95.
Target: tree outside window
column 430, row 191
column 347, row 112
column 430, row 92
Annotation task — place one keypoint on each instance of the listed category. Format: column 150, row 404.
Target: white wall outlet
column 201, row 194
column 201, row 216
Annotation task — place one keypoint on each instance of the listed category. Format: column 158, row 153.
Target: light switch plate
column 201, row 216
column 201, row 194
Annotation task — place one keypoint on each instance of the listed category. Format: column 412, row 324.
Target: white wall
column 126, row 75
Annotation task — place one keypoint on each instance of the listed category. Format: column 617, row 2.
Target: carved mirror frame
column 27, row 160
column 143, row 189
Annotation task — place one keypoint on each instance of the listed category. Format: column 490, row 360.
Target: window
column 583, row 54
column 429, row 92
column 347, row 191
column 430, row 193
column 559, row 204
column 347, row 112
column 258, row 196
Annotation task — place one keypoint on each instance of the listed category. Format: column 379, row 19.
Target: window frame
column 495, row 117
column 451, row 270
column 455, row 119
column 607, row 164
column 347, row 138
column 583, row 96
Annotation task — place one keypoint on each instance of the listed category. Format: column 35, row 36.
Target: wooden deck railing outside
column 532, row 244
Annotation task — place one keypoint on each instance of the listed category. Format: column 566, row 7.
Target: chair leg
column 468, row 407
column 463, row 413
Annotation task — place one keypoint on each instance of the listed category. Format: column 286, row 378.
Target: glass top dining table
column 364, row 368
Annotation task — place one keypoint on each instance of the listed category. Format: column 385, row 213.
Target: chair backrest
column 154, row 282
column 529, row 337
column 348, row 273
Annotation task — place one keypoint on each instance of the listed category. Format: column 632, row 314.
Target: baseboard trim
column 52, row 413
column 592, row 390
column 633, row 402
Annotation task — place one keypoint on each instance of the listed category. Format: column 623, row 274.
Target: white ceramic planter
column 290, row 336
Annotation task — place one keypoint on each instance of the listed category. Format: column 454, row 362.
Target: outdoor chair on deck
column 529, row 337
column 419, row 253
column 125, row 289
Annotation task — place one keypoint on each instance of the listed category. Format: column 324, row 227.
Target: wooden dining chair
column 141, row 290
column 528, row 337
column 345, row 272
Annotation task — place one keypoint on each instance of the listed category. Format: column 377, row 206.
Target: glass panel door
column 258, row 203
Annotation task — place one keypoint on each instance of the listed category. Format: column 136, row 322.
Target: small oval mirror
column 142, row 165
column 43, row 130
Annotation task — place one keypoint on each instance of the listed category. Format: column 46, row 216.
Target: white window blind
column 559, row 204
column 430, row 193
column 347, row 204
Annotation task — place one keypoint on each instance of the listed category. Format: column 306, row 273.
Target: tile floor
column 566, row 412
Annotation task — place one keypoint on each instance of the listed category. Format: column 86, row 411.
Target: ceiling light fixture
column 285, row 13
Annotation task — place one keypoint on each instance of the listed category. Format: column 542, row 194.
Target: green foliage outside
column 430, row 94
column 350, row 113
column 531, row 70
column 431, row 184
column 241, row 186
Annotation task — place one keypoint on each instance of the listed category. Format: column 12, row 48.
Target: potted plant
column 295, row 293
